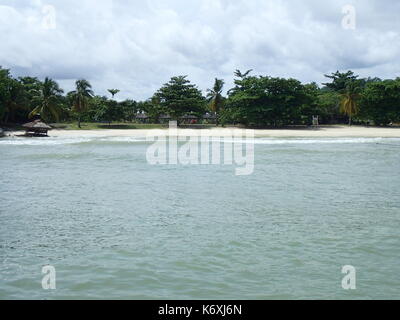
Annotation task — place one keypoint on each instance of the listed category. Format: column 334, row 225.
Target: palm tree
column 80, row 98
column 349, row 102
column 47, row 100
column 215, row 97
column 113, row 92
column 239, row 74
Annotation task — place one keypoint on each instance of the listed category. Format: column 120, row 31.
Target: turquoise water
column 116, row 227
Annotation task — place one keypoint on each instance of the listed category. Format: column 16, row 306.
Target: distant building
column 210, row 118
column 165, row 118
column 189, row 119
column 142, row 117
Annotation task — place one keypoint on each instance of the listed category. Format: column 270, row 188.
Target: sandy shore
column 323, row 132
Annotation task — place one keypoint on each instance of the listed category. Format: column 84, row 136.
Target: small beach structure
column 210, row 118
column 142, row 117
column 1, row 132
column 36, row 128
column 315, row 121
column 189, row 119
column 164, row 118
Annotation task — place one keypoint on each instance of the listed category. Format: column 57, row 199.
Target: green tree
column 266, row 101
column 350, row 97
column 113, row 92
column 30, row 85
column 129, row 109
column 80, row 98
column 4, row 79
column 15, row 100
column 340, row 80
column 152, row 108
column 380, row 102
column 108, row 110
column 12, row 96
column 241, row 75
column 93, row 105
column 47, row 100
column 179, row 97
column 215, row 98
column 328, row 104
column 309, row 107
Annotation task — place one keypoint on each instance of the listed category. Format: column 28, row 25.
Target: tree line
column 254, row 101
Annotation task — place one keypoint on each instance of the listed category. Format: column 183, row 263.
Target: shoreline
column 334, row 131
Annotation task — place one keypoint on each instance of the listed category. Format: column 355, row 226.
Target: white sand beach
column 322, row 132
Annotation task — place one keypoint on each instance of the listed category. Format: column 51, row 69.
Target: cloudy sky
column 137, row 45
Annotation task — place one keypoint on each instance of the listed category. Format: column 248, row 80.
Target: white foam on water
column 140, row 139
column 122, row 139
column 296, row 141
column 275, row 141
column 42, row 141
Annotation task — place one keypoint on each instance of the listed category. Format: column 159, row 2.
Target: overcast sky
column 136, row 46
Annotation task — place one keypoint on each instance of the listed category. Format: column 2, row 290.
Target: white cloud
column 137, row 46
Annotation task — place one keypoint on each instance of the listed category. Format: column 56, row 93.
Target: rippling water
column 115, row 227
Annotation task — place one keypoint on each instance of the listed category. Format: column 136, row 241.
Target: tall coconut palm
column 113, row 92
column 349, row 102
column 47, row 100
column 241, row 75
column 80, row 98
column 215, row 97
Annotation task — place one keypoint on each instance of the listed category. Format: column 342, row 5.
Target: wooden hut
column 210, row 118
column 189, row 119
column 36, row 128
column 165, row 118
column 142, row 117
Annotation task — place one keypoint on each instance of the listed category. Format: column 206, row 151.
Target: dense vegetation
column 257, row 101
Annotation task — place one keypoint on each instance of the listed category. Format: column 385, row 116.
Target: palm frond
column 35, row 111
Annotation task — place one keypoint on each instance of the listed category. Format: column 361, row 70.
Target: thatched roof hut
column 209, row 116
column 165, row 117
column 36, row 127
column 189, row 117
column 142, row 116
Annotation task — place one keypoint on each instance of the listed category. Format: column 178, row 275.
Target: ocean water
column 115, row 227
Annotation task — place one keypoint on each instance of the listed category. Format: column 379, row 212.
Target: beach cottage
column 36, row 128
column 142, row 118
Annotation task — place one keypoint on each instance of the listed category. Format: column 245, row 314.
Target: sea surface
column 115, row 227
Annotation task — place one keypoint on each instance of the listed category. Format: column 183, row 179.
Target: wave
column 22, row 141
column 42, row 141
column 325, row 140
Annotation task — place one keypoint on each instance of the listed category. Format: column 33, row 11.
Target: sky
column 137, row 46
